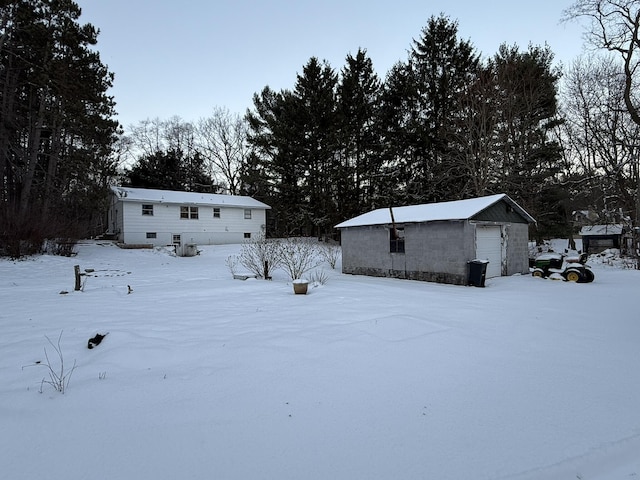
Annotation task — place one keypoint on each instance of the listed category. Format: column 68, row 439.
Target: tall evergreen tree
column 57, row 124
column 171, row 170
column 315, row 132
column 276, row 153
column 440, row 65
column 294, row 135
column 398, row 120
column 527, row 158
column 356, row 181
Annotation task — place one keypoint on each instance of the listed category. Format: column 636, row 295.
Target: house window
column 152, row 235
column 247, row 214
column 176, row 239
column 147, row 209
column 216, row 212
column 189, row 213
column 396, row 240
column 247, row 235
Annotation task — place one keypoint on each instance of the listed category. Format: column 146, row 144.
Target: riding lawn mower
column 570, row 268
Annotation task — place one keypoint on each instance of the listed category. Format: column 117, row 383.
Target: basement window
column 152, row 235
column 147, row 209
column 396, row 240
column 247, row 235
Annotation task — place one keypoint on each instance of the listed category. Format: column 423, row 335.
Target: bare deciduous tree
column 614, row 25
column 222, row 142
column 601, row 135
column 146, row 137
column 151, row 136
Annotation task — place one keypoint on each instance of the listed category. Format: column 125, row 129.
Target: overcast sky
column 186, row 58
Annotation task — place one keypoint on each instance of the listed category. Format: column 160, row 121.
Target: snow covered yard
column 207, row 377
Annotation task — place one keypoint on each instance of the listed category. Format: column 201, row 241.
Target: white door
column 489, row 247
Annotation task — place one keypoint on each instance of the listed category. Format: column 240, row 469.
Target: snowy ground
column 207, row 377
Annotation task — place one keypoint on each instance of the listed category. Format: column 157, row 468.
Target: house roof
column 590, row 230
column 128, row 194
column 430, row 212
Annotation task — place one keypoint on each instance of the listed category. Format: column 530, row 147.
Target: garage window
column 396, row 240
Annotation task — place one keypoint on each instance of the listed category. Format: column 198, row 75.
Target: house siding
column 206, row 230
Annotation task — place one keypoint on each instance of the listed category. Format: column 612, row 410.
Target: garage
column 439, row 241
column 489, row 247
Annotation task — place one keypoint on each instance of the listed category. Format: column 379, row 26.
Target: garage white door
column 489, row 247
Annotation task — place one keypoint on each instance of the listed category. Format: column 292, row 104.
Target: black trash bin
column 477, row 272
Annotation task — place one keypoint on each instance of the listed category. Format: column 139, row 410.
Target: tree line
column 57, row 127
column 443, row 124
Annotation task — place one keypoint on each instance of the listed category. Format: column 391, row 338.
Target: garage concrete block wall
column 518, row 251
column 362, row 250
column 437, row 252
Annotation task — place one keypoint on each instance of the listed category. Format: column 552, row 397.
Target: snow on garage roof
column 128, row 194
column 430, row 212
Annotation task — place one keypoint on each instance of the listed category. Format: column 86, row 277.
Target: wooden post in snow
column 76, row 269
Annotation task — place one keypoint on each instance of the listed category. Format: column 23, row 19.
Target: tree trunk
column 32, row 160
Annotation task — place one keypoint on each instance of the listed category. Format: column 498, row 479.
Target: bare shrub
column 260, row 256
column 232, row 263
column 59, row 374
column 330, row 253
column 318, row 277
column 298, row 256
column 64, row 247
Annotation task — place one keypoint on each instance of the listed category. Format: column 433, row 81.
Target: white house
column 166, row 217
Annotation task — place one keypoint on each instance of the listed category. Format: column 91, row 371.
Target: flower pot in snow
column 300, row 287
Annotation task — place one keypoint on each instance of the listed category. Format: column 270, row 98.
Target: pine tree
column 171, row 170
column 293, row 133
column 441, row 65
column 276, row 150
column 315, row 132
column 527, row 159
column 356, row 181
column 58, row 127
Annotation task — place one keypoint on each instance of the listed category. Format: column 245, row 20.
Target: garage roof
column 431, row 212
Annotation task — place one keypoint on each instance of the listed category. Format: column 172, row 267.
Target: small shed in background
column 596, row 238
column 438, row 241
